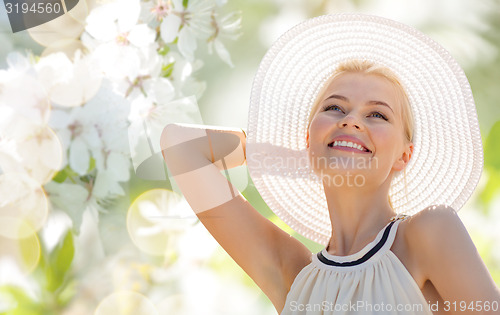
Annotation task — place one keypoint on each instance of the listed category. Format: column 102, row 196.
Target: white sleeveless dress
column 371, row 281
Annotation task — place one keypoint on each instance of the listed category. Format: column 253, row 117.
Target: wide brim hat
column 447, row 159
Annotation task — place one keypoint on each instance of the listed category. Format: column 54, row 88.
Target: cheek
column 386, row 139
column 322, row 122
column 382, row 133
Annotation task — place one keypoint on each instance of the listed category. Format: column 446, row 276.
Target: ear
column 405, row 157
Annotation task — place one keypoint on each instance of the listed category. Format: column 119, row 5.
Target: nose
column 350, row 120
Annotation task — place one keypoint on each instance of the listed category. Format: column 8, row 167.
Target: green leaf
column 39, row 273
column 492, row 165
column 17, row 294
column 91, row 164
column 60, row 176
column 70, row 171
column 67, row 293
column 166, row 70
column 491, row 188
column 185, row 3
column 24, row 304
column 164, row 50
column 492, row 148
column 63, row 174
column 60, row 261
column 30, row 251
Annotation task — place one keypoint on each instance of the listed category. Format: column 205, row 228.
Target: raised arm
column 258, row 246
column 186, row 150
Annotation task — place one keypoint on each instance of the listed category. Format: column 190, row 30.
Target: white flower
column 78, row 135
column 117, row 61
column 9, row 157
column 73, row 199
column 107, row 180
column 27, row 147
column 113, row 21
column 38, row 153
column 149, row 115
column 149, row 66
column 69, row 83
column 188, row 24
column 157, row 9
column 98, row 128
column 182, row 75
column 24, row 203
column 226, row 27
column 118, row 41
column 21, row 91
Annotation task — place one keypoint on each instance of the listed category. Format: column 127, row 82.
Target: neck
column 357, row 214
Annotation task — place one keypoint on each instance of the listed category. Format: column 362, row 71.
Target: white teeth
column 348, row 144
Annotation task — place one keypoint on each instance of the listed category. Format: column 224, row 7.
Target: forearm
column 226, row 146
column 186, row 150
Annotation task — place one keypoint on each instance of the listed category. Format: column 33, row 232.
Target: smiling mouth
column 348, row 146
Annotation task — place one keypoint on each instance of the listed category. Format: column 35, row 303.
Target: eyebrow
column 345, row 99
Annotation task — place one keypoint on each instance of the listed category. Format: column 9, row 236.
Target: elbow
column 167, row 138
column 168, row 135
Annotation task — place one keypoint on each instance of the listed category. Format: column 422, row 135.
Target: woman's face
column 363, row 110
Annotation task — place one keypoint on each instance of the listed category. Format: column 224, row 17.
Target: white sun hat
column 447, row 159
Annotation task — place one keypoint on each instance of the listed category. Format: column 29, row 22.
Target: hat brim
column 447, row 160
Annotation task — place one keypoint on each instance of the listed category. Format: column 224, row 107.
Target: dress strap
column 383, row 241
column 392, row 233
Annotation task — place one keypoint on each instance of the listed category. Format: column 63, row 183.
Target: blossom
column 182, row 76
column 157, row 9
column 70, row 198
column 187, row 24
column 117, row 40
column 22, row 92
column 69, row 83
column 9, row 157
column 23, row 205
column 225, row 27
column 64, row 125
column 37, row 152
column 97, row 132
column 149, row 115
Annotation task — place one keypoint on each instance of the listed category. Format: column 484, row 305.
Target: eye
column 334, row 107
column 378, row 115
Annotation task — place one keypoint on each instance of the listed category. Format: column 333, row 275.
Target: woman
column 367, row 130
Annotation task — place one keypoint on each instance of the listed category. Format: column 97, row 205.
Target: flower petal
column 222, row 52
column 169, row 28
column 141, row 35
column 106, row 186
column 129, row 11
column 118, row 166
column 187, row 43
column 79, row 157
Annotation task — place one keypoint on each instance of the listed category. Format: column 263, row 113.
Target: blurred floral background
column 90, row 223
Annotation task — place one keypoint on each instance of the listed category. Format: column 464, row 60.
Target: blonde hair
column 368, row 67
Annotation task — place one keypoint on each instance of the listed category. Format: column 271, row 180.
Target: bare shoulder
column 445, row 255
column 432, row 228
column 434, row 221
column 419, row 237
